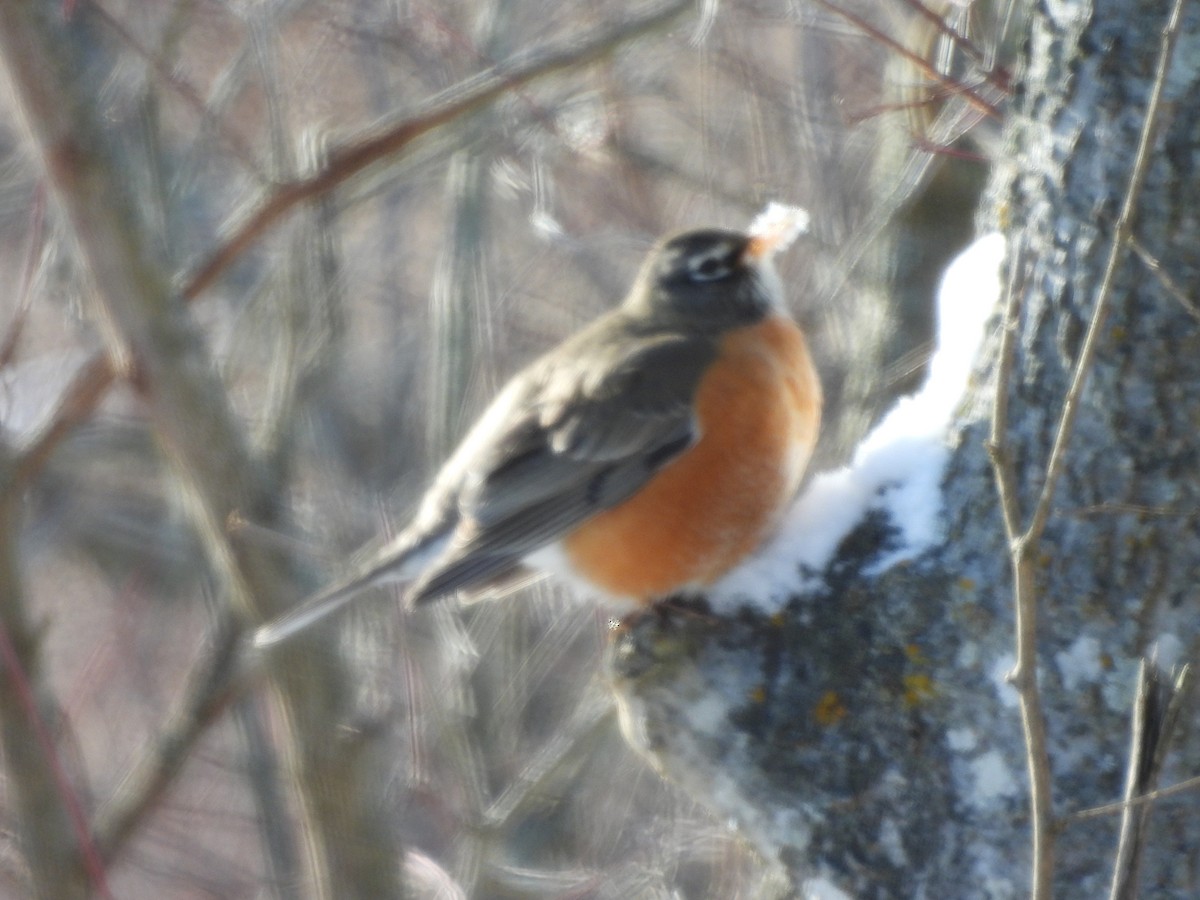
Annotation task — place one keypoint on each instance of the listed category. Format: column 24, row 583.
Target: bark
column 868, row 735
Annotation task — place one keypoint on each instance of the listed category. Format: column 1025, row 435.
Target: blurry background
column 361, row 334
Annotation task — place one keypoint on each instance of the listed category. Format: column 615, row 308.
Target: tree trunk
column 868, row 737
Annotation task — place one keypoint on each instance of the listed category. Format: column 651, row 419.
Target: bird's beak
column 758, row 248
column 773, row 231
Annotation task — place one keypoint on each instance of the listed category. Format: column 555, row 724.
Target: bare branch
column 53, row 827
column 385, row 141
column 1024, row 675
column 1096, row 812
column 216, row 681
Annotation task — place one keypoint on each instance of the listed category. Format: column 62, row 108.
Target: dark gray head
column 712, row 278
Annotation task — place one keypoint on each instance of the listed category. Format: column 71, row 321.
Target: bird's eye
column 707, row 268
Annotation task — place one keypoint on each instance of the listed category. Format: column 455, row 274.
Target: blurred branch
column 386, row 140
column 214, row 684
column 8, row 347
column 918, row 61
column 529, row 786
column 95, row 378
column 276, row 825
column 1155, row 713
column 1107, row 809
column 168, row 75
column 53, row 830
column 352, row 841
column 996, row 75
column 303, row 287
column 86, row 389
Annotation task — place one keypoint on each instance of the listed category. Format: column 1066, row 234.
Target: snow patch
column 999, row 673
column 1168, row 651
column 961, row 740
column 1080, row 663
column 892, row 843
column 776, row 228
column 993, row 778
column 823, row 889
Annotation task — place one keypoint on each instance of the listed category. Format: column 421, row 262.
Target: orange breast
column 758, row 410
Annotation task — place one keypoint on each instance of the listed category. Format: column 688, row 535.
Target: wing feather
column 588, row 429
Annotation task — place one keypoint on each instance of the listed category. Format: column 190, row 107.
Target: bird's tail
column 401, row 560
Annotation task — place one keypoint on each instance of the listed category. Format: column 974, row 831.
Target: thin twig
column 997, row 76
column 16, row 676
column 1113, row 508
column 1108, row 809
column 449, row 106
column 1024, row 674
column 1170, row 285
column 922, row 64
column 931, row 97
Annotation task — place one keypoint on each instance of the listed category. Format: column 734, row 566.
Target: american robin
column 646, row 455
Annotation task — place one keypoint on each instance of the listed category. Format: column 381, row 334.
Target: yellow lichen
column 829, row 710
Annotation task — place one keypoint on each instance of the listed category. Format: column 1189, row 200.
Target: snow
column 898, row 467
column 1168, row 651
column 961, row 740
column 994, row 780
column 777, row 226
column 31, row 390
column 892, row 843
column 822, row 889
column 1001, row 668
column 1080, row 663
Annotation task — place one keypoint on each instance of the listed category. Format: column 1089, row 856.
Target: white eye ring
column 709, row 267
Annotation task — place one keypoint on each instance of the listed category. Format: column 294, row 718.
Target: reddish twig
column 37, row 225
column 997, row 76
column 91, row 860
column 922, row 64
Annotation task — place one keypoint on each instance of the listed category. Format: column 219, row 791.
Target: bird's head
column 713, row 278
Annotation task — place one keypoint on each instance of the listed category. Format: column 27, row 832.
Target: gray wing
column 576, row 433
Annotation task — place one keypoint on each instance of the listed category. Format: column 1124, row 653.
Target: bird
column 645, row 456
